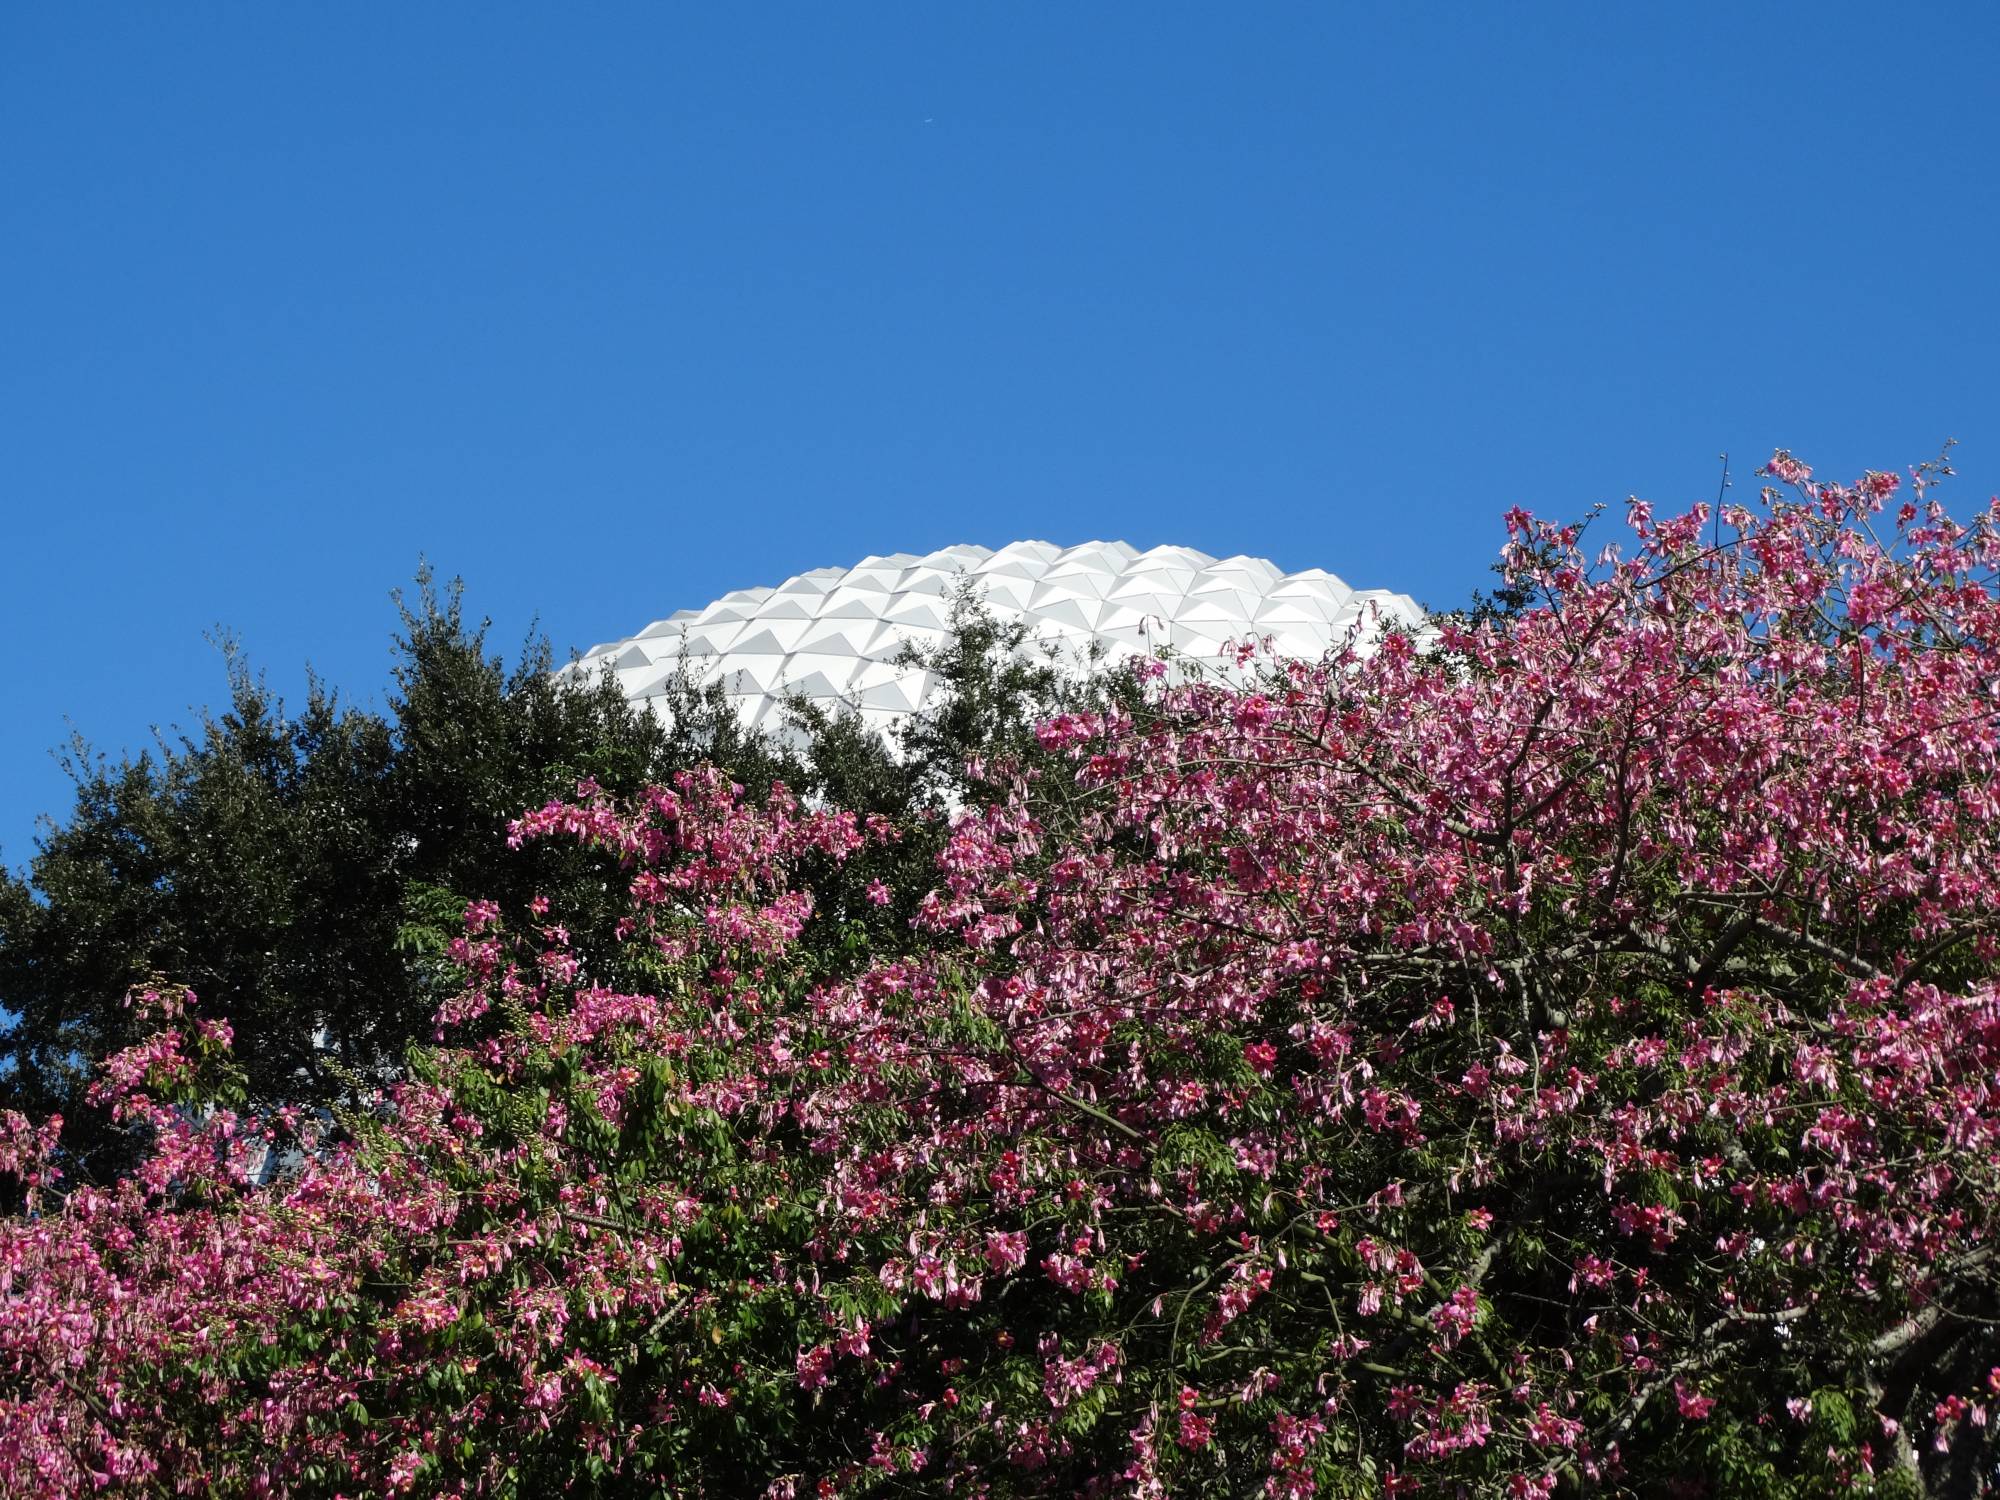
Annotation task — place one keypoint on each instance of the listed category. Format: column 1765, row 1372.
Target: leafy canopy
column 1559, row 1060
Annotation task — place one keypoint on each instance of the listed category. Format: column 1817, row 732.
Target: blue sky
column 610, row 309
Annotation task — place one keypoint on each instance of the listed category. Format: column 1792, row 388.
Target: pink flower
column 403, row 1469
column 814, row 1365
column 1694, row 1406
column 1070, row 1272
column 1455, row 1318
column 1063, row 1380
column 1195, row 1431
column 1006, row 1251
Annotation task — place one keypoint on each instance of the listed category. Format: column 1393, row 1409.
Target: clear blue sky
column 611, row 308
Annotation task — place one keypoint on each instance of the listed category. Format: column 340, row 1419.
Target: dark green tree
column 242, row 859
column 303, row 872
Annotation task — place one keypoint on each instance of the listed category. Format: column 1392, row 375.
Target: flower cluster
column 1554, row 1055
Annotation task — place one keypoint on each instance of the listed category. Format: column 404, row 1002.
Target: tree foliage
column 1563, row 1061
column 305, row 872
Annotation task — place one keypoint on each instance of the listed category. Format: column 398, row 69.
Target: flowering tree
column 1560, row 1058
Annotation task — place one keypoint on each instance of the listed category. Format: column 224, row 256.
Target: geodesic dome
column 833, row 634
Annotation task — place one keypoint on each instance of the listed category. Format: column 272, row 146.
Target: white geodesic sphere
column 833, row 635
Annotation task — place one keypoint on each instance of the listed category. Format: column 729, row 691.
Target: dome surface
column 833, row 634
